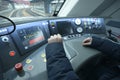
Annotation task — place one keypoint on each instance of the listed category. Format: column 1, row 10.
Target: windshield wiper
column 56, row 11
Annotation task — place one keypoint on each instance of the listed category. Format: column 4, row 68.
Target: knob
column 19, row 67
column 79, row 29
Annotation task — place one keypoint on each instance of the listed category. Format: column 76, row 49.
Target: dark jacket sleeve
column 107, row 47
column 58, row 65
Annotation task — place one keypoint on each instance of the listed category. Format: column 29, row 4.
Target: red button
column 19, row 67
column 30, row 67
column 12, row 53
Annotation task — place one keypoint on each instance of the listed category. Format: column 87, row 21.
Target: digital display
column 31, row 36
column 64, row 28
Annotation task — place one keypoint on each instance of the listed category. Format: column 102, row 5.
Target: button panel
column 71, row 36
column 77, row 26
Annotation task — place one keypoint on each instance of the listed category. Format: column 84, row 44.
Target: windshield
column 30, row 8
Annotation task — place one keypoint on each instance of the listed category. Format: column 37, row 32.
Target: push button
column 12, row 53
column 19, row 67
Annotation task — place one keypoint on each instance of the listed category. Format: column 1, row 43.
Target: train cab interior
column 26, row 25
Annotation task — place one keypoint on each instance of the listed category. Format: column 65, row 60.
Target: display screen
column 31, row 36
column 64, row 28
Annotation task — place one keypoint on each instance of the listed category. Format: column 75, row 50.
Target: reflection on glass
column 4, row 21
column 29, row 8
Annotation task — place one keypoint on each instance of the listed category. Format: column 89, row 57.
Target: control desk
column 25, row 48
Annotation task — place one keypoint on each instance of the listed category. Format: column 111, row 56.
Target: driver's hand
column 87, row 41
column 55, row 38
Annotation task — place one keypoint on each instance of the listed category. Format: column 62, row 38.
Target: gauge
column 79, row 29
column 78, row 21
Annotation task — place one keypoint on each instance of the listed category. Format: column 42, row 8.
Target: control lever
column 110, row 36
column 109, row 32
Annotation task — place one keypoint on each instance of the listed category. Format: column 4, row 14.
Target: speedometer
column 78, row 21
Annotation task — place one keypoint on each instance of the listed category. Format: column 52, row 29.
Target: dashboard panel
column 28, row 36
column 27, row 44
column 77, row 26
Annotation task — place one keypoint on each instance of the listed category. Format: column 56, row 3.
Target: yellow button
column 28, row 61
column 43, row 55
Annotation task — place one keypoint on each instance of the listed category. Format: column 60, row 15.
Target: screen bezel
column 54, row 29
column 64, row 22
column 18, row 41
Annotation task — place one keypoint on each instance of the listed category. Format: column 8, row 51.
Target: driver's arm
column 58, row 65
column 104, row 45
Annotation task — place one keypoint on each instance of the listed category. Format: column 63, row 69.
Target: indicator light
column 12, row 53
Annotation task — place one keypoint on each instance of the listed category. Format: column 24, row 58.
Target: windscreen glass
column 30, row 8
